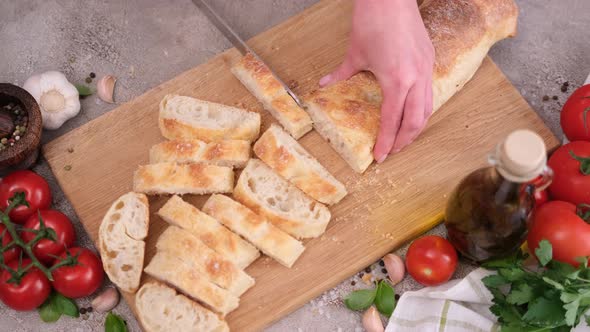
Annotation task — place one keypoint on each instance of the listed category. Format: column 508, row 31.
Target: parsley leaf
column 544, row 312
column 521, row 295
column 544, row 253
column 494, row 281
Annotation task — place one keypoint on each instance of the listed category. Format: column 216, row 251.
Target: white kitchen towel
column 457, row 306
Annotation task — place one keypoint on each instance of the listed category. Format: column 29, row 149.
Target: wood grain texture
column 387, row 206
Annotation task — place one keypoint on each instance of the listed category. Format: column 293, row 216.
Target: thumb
column 343, row 72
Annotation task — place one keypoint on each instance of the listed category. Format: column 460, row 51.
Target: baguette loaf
column 204, row 260
column 259, row 80
column 287, row 207
column 161, row 309
column 186, row 216
column 173, row 178
column 190, row 118
column 228, row 153
column 346, row 114
column 120, row 240
column 288, row 158
column 170, row 269
column 264, row 235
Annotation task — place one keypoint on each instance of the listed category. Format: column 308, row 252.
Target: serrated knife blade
column 238, row 42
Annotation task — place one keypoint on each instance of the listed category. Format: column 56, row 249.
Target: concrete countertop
column 146, row 42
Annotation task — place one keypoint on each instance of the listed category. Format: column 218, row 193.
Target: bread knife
column 238, row 42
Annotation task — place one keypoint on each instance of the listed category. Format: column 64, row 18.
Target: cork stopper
column 522, row 156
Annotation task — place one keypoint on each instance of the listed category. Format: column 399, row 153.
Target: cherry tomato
column 36, row 191
column 11, row 253
column 571, row 165
column 78, row 280
column 32, row 290
column 569, row 234
column 431, row 260
column 575, row 115
column 541, row 197
column 45, row 250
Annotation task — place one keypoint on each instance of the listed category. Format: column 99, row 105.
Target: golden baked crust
column 173, row 178
column 230, row 153
column 258, row 79
column 186, row 216
column 292, row 162
column 462, row 32
column 256, row 229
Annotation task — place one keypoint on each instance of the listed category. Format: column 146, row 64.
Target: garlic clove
column 395, row 268
column 33, row 86
column 372, row 320
column 106, row 300
column 105, row 88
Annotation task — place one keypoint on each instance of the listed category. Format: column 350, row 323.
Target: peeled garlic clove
column 105, row 301
column 105, row 88
column 372, row 321
column 395, row 268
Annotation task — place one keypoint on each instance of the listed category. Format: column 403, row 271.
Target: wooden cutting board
column 387, row 206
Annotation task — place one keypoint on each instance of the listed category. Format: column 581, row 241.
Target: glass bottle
column 488, row 212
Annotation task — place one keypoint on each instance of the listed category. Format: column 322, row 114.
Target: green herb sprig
column 554, row 297
column 114, row 323
column 57, row 305
column 383, row 296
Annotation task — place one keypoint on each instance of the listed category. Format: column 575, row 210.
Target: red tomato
column 575, row 115
column 570, row 184
column 568, row 233
column 36, row 191
column 11, row 253
column 46, row 249
column 541, row 197
column 79, row 280
column 31, row 292
column 431, row 260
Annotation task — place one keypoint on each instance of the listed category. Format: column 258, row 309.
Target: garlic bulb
column 57, row 98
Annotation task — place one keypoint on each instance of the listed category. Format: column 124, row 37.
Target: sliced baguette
column 170, row 269
column 228, row 153
column 254, row 228
column 120, row 240
column 261, row 83
column 287, row 207
column 190, row 118
column 288, row 158
column 161, row 309
column 204, row 260
column 173, row 178
column 186, row 216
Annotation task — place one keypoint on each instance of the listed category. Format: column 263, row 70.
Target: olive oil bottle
column 488, row 212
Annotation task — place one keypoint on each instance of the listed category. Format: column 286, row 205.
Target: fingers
column 413, row 117
column 343, row 72
column 394, row 98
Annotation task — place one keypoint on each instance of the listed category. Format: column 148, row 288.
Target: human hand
column 389, row 39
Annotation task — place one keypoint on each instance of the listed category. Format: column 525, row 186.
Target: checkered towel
column 459, row 305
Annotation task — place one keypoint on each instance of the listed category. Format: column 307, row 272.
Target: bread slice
column 254, row 228
column 204, row 260
column 228, row 153
column 172, row 270
column 161, row 309
column 273, row 197
column 288, row 158
column 186, row 216
column 173, row 178
column 346, row 114
column 120, row 240
column 259, row 80
column 189, row 118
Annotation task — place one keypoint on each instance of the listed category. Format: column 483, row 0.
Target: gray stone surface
column 146, row 42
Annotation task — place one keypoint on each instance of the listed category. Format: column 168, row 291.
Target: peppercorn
column 82, row 311
column 92, row 75
column 555, row 97
column 381, row 263
column 384, row 270
column 89, row 309
column 352, row 283
column 88, row 80
column 368, row 269
column 545, row 97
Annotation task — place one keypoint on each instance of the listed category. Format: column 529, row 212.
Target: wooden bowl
column 24, row 153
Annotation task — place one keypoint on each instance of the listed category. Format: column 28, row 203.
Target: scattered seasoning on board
column 545, row 98
column 555, row 97
column 68, row 167
column 368, row 269
column 564, row 86
column 352, row 283
column 82, row 311
column 381, row 263
column 92, row 75
column 13, row 124
column 88, row 80
column 89, row 309
column 396, row 297
column 384, row 271
column 70, row 150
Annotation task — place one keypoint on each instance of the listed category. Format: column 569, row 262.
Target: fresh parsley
column 554, row 297
column 383, row 296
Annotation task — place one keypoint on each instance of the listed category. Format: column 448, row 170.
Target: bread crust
column 179, row 213
column 288, row 158
column 228, row 153
column 462, row 32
